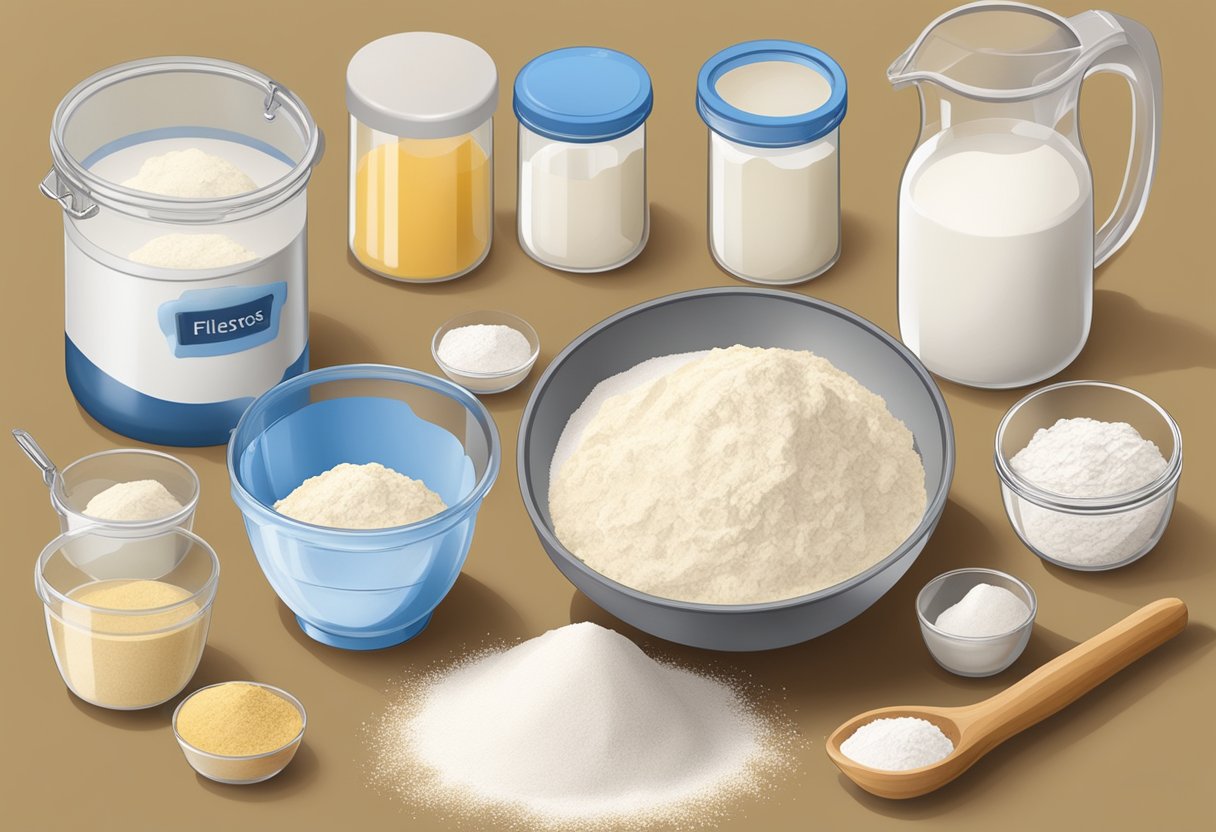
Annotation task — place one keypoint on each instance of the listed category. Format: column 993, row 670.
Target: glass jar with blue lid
column 773, row 108
column 582, row 158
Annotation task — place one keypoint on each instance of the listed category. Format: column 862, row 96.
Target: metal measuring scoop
column 37, row 456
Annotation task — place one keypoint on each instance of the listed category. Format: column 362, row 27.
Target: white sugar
column 484, row 348
column 898, row 744
column 577, row 726
column 985, row 610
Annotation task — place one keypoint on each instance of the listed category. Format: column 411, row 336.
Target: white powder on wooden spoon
column 898, row 744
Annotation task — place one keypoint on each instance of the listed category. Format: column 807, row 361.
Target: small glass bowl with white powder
column 976, row 622
column 131, row 491
column 1089, row 472
column 486, row 352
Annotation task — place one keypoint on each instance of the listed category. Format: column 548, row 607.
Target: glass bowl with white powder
column 976, row 622
column 1089, row 472
column 486, row 352
column 132, row 491
column 351, row 585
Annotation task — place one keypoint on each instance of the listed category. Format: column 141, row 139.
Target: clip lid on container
column 421, row 155
column 774, row 109
column 183, row 301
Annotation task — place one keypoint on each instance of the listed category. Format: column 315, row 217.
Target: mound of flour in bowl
column 367, row 496
column 191, row 251
column 746, row 475
column 577, row 727
column 191, row 174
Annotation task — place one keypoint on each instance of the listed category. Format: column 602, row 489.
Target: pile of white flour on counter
column 742, row 475
column 576, row 728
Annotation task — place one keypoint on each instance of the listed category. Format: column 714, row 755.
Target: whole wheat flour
column 745, row 476
column 360, row 497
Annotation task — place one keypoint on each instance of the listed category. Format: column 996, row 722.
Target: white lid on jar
column 422, row 85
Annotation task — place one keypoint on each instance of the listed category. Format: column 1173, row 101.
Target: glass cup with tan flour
column 131, row 640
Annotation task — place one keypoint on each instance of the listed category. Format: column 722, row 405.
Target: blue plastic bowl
column 363, row 589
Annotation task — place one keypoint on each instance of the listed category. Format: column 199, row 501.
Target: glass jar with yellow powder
column 127, row 617
column 421, row 155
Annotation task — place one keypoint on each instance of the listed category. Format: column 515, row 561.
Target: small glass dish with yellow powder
column 127, row 617
column 239, row 732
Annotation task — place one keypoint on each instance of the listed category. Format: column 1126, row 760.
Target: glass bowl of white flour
column 1089, row 472
column 351, row 585
column 710, row 418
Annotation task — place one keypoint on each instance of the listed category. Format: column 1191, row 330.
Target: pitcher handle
column 1127, row 49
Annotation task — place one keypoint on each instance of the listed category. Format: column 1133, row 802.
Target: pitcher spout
column 994, row 50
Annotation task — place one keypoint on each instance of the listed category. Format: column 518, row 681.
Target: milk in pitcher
column 996, row 252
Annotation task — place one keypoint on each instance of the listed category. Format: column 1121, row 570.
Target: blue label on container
column 212, row 326
column 210, row 322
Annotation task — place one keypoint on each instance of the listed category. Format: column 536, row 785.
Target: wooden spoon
column 977, row 729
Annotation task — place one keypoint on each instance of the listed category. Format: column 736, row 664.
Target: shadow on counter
column 1177, row 560
column 472, row 616
column 215, row 666
column 303, row 770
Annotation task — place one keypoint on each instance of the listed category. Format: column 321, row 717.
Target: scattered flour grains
column 579, row 728
column 985, row 610
column 484, row 348
column 133, row 502
column 191, row 251
column 190, row 174
column 1089, row 458
column 743, row 476
column 898, row 744
column 360, row 497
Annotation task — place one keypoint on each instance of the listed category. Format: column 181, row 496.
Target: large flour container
column 170, row 347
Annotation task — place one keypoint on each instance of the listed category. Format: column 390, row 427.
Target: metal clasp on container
column 75, row 205
column 272, row 103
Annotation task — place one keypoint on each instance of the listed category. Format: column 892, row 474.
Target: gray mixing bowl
column 708, row 318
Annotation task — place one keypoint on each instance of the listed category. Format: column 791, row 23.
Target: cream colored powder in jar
column 774, row 110
column 128, row 644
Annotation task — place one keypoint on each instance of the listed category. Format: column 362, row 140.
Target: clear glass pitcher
column 996, row 230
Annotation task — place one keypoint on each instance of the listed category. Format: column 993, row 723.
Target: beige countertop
column 1133, row 754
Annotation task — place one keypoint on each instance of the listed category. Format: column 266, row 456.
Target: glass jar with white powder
column 774, row 109
column 582, row 158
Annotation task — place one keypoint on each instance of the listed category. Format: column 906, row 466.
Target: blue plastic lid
column 583, row 94
column 763, row 130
